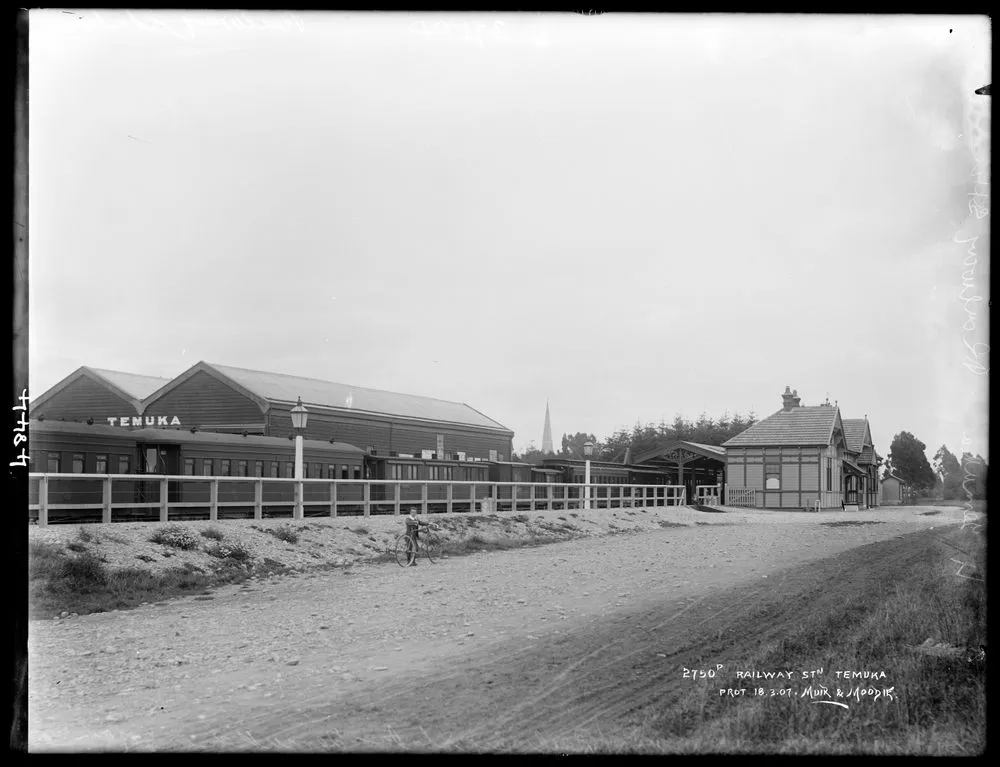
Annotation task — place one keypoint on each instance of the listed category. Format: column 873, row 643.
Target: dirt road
column 487, row 651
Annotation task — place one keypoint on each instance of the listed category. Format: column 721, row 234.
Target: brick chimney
column 787, row 399
column 795, row 398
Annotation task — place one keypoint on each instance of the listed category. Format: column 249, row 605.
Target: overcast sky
column 629, row 216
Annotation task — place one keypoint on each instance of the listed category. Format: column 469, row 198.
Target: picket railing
column 740, row 496
column 80, row 496
column 708, row 495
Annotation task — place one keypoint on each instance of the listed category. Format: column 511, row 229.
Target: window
column 289, row 469
column 394, row 471
column 53, row 463
column 227, row 470
column 315, row 470
column 206, row 467
column 357, row 472
column 258, row 468
column 123, row 464
column 829, row 474
column 77, row 463
column 772, row 476
column 412, row 470
column 331, row 471
column 189, row 467
column 101, row 464
column 241, row 468
column 274, row 469
column 343, row 472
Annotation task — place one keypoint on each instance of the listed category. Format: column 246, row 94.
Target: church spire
column 547, row 432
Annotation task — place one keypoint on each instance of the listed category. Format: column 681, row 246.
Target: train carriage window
column 53, row 463
column 206, row 467
column 357, row 472
column 289, row 469
column 241, row 469
column 189, row 467
column 343, row 472
column 331, row 471
column 274, row 469
column 315, row 471
column 77, row 463
column 101, row 464
column 227, row 470
column 258, row 468
column 394, row 471
column 123, row 464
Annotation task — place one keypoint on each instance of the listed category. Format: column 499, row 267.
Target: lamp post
column 299, row 417
column 588, row 450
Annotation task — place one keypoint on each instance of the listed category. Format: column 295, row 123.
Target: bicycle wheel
column 404, row 550
column 431, row 546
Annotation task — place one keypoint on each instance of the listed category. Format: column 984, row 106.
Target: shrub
column 84, row 570
column 74, row 546
column 85, row 536
column 234, row 551
column 213, row 533
column 175, row 536
column 284, row 533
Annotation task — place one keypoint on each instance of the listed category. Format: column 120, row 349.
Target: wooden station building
column 801, row 455
column 219, row 398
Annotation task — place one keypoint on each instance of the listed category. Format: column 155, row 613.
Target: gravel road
column 271, row 661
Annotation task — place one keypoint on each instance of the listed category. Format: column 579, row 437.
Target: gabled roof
column 673, row 452
column 128, row 386
column 867, row 455
column 852, row 468
column 857, row 434
column 893, row 475
column 795, row 426
column 278, row 387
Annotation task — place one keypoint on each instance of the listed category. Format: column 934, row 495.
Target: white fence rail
column 77, row 497
column 740, row 496
column 708, row 495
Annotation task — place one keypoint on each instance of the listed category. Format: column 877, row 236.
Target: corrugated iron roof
column 711, row 448
column 287, row 388
column 133, row 384
column 797, row 426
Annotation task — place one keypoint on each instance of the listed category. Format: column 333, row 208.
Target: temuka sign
column 145, row 420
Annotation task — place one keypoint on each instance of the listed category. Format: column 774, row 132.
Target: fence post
column 395, row 497
column 513, row 498
column 164, row 482
column 531, row 497
column 423, row 498
column 495, row 498
column 105, row 499
column 472, row 497
column 258, row 498
column 367, row 496
column 299, row 489
column 333, row 499
column 43, row 501
column 213, row 509
column 450, row 496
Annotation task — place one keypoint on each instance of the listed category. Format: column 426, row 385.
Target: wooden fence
column 740, row 496
column 78, row 497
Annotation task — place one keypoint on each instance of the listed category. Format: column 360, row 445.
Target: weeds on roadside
column 284, row 533
column 213, row 533
column 175, row 536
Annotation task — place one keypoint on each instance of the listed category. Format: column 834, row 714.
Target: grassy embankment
column 72, row 578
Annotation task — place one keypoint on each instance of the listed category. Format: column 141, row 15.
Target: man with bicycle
column 413, row 526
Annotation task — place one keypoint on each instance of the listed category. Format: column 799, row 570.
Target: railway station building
column 802, row 455
column 219, row 398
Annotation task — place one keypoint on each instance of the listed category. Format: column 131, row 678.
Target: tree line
column 628, row 443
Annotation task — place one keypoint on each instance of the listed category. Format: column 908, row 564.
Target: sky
column 628, row 216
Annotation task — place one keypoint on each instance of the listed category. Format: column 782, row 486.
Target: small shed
column 893, row 490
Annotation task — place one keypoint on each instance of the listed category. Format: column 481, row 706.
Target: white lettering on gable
column 148, row 420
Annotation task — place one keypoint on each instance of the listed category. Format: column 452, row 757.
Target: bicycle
column 408, row 549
